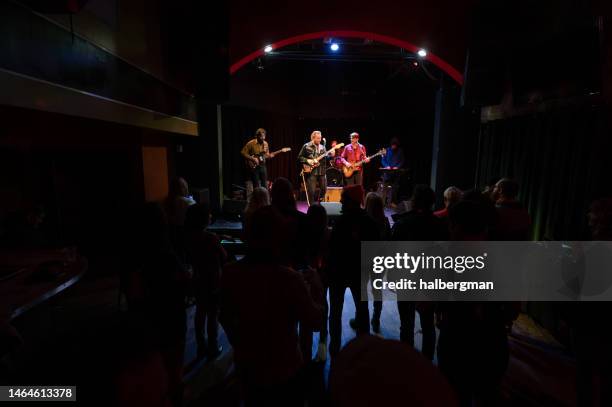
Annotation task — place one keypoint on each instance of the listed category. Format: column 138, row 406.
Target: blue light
column 334, row 46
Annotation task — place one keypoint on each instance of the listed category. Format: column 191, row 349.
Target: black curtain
column 560, row 160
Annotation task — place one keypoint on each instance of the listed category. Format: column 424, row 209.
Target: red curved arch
column 434, row 59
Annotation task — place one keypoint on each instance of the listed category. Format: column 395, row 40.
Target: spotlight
column 268, row 49
column 422, row 53
column 334, row 46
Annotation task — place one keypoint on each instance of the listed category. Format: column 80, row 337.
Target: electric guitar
column 348, row 171
column 307, row 168
column 261, row 158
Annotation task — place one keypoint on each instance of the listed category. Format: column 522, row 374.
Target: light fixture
column 422, row 53
column 334, row 46
column 268, row 48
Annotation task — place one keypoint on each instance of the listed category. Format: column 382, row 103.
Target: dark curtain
column 560, row 160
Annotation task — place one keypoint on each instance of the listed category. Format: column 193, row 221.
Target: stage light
column 268, row 49
column 422, row 53
column 334, row 46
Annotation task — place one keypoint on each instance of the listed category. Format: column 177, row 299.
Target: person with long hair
column 375, row 207
column 259, row 198
column 175, row 206
column 206, row 256
column 350, row 229
column 317, row 251
column 283, row 200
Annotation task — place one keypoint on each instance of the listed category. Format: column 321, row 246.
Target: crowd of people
column 270, row 302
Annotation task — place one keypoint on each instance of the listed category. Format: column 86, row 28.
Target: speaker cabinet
column 333, row 194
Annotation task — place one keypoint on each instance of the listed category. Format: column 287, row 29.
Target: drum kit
column 334, row 173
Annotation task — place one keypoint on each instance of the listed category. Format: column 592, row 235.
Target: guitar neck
column 369, row 158
column 322, row 156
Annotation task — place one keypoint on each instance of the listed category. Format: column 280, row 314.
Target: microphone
column 323, row 141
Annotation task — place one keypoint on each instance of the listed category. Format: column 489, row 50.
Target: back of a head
column 352, row 197
column 178, row 187
column 372, row 371
column 468, row 220
column 259, row 197
column 423, row 197
column 452, row 195
column 266, row 234
column 508, row 188
column 317, row 217
column 282, row 195
column 375, row 205
column 197, row 216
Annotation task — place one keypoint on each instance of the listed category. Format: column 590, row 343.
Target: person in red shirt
column 352, row 154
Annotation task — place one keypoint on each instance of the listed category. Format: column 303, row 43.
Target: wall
column 88, row 174
column 129, row 29
column 155, row 169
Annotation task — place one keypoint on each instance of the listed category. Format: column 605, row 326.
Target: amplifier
column 333, row 194
column 333, row 209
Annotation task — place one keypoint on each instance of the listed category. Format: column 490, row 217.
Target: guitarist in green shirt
column 255, row 153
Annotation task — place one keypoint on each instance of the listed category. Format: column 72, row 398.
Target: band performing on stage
column 322, row 167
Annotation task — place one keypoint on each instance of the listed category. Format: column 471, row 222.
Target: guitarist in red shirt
column 352, row 154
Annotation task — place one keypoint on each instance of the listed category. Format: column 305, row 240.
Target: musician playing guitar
column 255, row 154
column 351, row 156
column 313, row 158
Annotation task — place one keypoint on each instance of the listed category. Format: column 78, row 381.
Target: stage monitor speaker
column 333, row 209
column 333, row 194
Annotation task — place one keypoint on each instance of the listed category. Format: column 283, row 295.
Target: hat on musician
column 354, row 135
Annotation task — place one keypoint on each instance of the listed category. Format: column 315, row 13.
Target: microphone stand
column 305, row 188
